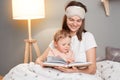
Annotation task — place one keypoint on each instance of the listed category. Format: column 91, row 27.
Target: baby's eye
column 63, row 44
column 69, row 44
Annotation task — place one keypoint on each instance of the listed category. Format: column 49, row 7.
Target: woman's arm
column 43, row 57
column 91, row 57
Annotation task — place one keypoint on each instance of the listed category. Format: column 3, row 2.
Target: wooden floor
column 1, row 77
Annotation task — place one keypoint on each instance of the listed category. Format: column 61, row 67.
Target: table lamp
column 28, row 10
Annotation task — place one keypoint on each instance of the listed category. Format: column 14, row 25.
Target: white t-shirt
column 79, row 48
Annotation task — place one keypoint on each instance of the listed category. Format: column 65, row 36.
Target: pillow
column 101, row 58
column 113, row 54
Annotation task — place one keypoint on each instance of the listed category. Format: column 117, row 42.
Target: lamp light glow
column 28, row 9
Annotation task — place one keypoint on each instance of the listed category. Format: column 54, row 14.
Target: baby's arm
column 51, row 53
column 43, row 57
column 71, row 57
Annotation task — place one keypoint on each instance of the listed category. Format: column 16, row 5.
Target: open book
column 64, row 64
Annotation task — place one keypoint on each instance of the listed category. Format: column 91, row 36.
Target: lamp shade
column 28, row 9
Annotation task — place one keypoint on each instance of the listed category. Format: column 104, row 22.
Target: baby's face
column 63, row 45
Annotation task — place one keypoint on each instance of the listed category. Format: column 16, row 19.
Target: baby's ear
column 55, row 44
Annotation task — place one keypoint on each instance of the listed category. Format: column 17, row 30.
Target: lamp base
column 28, row 49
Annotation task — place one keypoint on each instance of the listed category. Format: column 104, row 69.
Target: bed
column 107, row 68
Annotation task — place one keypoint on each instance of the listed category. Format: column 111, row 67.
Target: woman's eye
column 71, row 19
column 79, row 20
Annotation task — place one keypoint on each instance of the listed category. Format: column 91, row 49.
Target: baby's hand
column 75, row 68
column 39, row 62
column 70, row 60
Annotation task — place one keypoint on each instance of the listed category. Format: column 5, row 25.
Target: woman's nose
column 74, row 23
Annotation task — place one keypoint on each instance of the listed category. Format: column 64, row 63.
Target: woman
column 83, row 46
column 83, row 43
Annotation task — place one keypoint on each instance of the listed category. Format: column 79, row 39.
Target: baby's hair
column 61, row 34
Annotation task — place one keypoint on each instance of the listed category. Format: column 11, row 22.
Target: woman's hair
column 82, row 28
column 60, row 34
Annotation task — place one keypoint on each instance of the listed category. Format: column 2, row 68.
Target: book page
column 78, row 64
column 63, row 64
column 53, row 64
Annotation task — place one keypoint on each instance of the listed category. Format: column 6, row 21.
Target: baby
column 61, row 52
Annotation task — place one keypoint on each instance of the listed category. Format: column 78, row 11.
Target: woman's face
column 74, row 23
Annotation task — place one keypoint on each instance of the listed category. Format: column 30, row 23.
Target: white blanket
column 109, row 70
column 34, row 71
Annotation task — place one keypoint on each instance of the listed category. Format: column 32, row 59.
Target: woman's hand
column 67, row 70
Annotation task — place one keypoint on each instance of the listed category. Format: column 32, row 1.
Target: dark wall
column 11, row 38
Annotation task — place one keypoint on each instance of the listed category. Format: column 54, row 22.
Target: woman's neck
column 73, row 33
